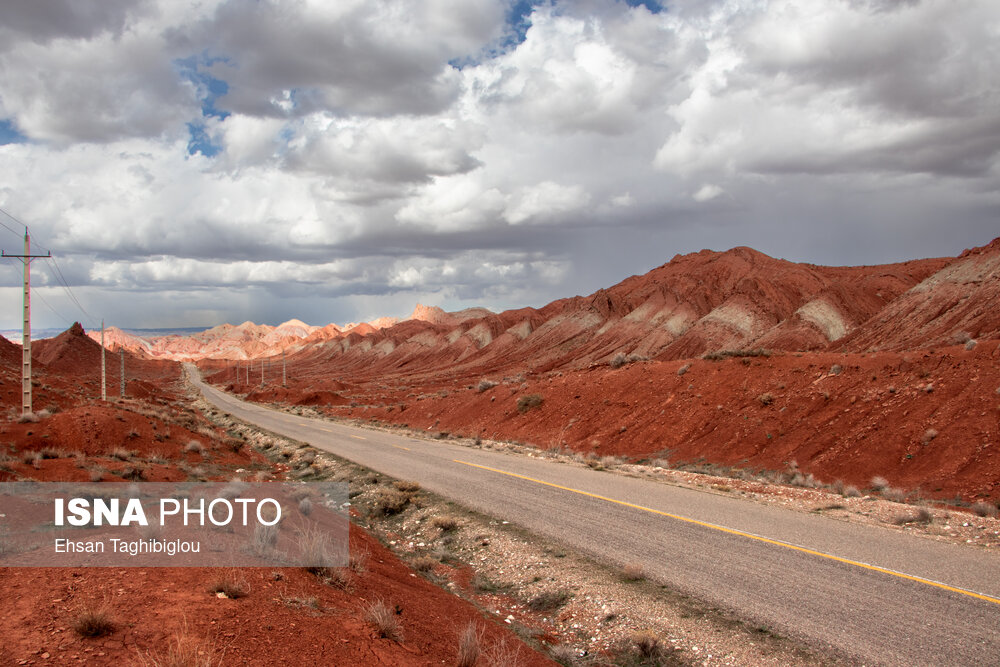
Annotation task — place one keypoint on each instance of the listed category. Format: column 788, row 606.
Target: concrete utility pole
column 26, row 329
column 284, row 374
column 104, row 372
column 122, row 350
column 262, row 372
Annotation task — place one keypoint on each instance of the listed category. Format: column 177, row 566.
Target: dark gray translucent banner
column 215, row 524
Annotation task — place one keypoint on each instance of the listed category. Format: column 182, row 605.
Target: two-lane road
column 871, row 595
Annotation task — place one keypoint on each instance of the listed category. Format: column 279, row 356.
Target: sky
column 194, row 162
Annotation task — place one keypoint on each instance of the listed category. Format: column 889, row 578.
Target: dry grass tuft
column 385, row 619
column 184, row 650
column 194, row 447
column 391, row 501
column 445, row 523
column 549, row 601
column 233, row 585
column 879, row 483
column 94, row 620
column 407, row 486
column 469, row 646
column 529, row 402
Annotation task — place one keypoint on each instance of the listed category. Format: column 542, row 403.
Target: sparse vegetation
column 879, row 483
column 445, row 523
column 391, row 501
column 929, row 435
column 94, row 620
column 233, row 585
column 194, row 447
column 485, row 385
column 184, row 650
column 469, row 649
column 549, row 601
column 922, row 515
column 982, row 508
column 423, row 563
column 529, row 402
column 766, row 398
column 684, row 369
column 28, row 418
column 407, row 486
column 721, row 355
column 385, row 620
column 851, row 492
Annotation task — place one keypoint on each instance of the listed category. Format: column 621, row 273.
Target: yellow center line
column 740, row 533
column 358, row 437
column 401, row 447
column 324, row 429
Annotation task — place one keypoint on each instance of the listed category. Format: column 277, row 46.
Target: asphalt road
column 865, row 594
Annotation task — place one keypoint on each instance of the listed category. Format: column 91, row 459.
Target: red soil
column 289, row 617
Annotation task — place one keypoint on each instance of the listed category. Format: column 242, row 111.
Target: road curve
column 865, row 594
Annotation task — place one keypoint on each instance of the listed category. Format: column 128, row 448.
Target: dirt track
column 851, row 610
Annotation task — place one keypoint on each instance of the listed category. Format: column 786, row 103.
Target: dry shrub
column 894, row 494
column 766, row 398
column 647, row 645
column 407, row 486
column 305, row 506
column 922, row 515
column 445, row 523
column 194, row 447
column 94, row 620
column 549, row 601
column 836, row 369
column 633, row 572
column 469, row 649
column 879, row 483
column 358, row 560
column 485, row 385
column 391, row 501
column 315, row 550
column 504, row 653
column 851, row 492
column 424, row 563
column 184, row 650
column 618, row 360
column 529, row 402
column 982, row 508
column 121, row 453
column 929, row 435
column 233, row 584
column 28, row 418
column 385, row 619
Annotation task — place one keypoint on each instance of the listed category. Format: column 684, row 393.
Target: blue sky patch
column 9, row 133
column 201, row 142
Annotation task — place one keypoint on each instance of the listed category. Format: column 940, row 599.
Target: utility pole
column 237, row 371
column 284, row 374
column 122, row 350
column 262, row 372
column 104, row 373
column 26, row 329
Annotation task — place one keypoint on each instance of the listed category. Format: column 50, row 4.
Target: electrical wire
column 19, row 234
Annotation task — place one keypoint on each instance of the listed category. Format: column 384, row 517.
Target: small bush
column 28, row 418
column 96, row 475
column 851, row 492
column 984, row 509
column 184, row 650
column 766, row 398
column 485, row 385
column 879, row 483
column 549, row 601
column 407, row 486
column 970, row 345
column 469, row 646
column 385, row 620
column 122, row 454
column 929, row 435
column 836, row 369
column 647, row 645
column 391, row 501
column 922, row 516
column 94, row 620
column 423, row 563
column 233, row 585
column 305, row 506
column 194, row 447
column 618, row 360
column 684, row 369
column 529, row 402
column 445, row 523
column 894, row 494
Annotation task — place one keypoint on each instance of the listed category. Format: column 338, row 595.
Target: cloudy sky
column 200, row 161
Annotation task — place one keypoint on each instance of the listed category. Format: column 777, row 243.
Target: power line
column 69, row 292
column 15, row 220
